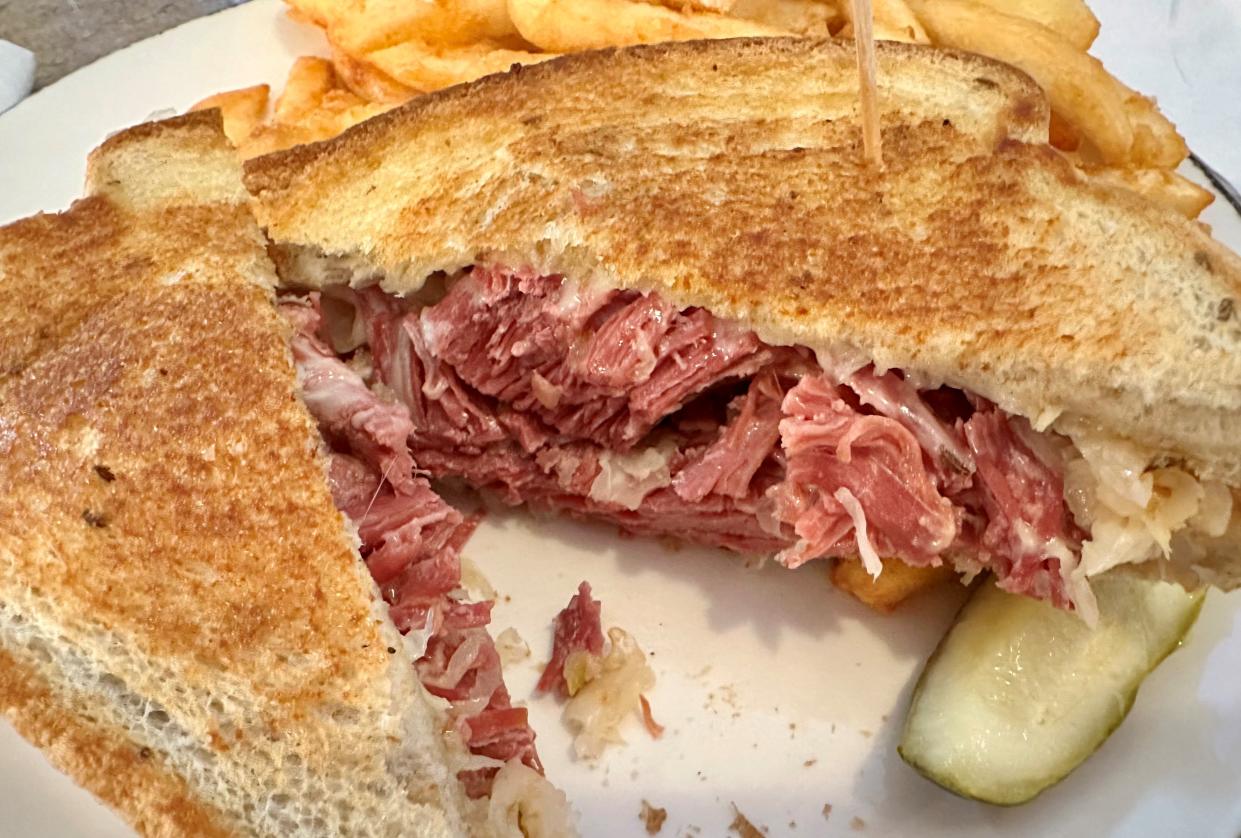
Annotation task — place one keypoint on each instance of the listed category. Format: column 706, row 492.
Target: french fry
column 336, row 111
column 1159, row 185
column 241, row 110
column 724, row 6
column 897, row 583
column 808, row 18
column 893, row 22
column 425, row 67
column 368, row 81
column 571, row 25
column 1070, row 19
column 314, row 105
column 1156, row 142
column 363, row 26
column 310, row 79
column 1076, row 84
column 1062, row 135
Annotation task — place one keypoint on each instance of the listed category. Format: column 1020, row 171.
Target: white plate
column 780, row 695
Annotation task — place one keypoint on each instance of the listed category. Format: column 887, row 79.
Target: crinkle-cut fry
column 1071, row 19
column 808, row 18
column 894, row 21
column 242, row 110
column 1159, row 185
column 897, row 583
column 368, row 81
column 1076, row 84
column 572, row 25
column 363, row 26
column 424, row 67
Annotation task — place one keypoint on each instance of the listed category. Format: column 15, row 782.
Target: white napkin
column 16, row 74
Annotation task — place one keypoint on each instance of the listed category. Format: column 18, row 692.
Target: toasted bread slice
column 185, row 626
column 729, row 175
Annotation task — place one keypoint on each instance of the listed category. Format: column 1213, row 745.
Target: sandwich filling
column 411, row 542
column 618, row 405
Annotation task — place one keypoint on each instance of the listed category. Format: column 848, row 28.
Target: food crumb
column 653, row 818
column 809, row 763
column 827, row 811
column 792, row 824
column 511, row 647
column 857, row 824
column 742, row 825
column 866, row 734
column 654, row 728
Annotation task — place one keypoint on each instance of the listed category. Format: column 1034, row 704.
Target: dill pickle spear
column 1020, row 693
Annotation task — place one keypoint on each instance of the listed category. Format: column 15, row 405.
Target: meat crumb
column 652, row 727
column 809, row 763
column 857, row 824
column 742, row 825
column 827, row 811
column 653, row 818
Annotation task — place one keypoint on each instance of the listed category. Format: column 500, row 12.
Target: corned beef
column 617, row 405
column 411, row 541
column 577, row 628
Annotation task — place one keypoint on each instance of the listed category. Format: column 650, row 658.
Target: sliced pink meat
column 729, row 464
column 1026, row 514
column 411, row 543
column 347, row 411
column 443, row 411
column 575, row 629
column 531, row 387
column 522, row 340
column 894, row 397
column 354, row 485
column 830, row 446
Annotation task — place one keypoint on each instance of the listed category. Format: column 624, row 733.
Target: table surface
column 67, row 34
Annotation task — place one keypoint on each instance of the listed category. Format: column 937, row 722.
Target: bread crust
column 130, row 778
column 729, row 175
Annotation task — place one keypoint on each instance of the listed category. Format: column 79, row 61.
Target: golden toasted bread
column 185, row 626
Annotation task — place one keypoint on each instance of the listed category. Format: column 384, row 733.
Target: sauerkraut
column 601, row 703
column 1131, row 508
column 524, row 803
column 625, row 479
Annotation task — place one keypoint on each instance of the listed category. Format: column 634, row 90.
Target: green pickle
column 1020, row 693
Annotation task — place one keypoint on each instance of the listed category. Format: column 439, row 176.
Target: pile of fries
column 384, row 52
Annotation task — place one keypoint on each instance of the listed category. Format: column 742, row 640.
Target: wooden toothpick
column 864, row 38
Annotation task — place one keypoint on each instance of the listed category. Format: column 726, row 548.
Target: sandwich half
column 186, row 627
column 660, row 287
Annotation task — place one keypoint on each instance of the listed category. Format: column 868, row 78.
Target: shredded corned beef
column 830, row 446
column 411, row 541
column 576, row 629
column 617, row 405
